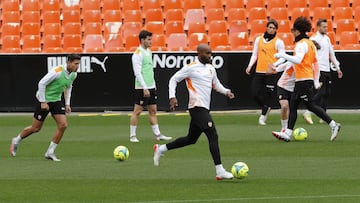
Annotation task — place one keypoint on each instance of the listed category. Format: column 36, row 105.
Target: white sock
column 132, row 130
column 332, row 123
column 288, row 131
column 163, row 148
column 219, row 168
column 155, row 129
column 17, row 139
column 284, row 124
column 52, row 148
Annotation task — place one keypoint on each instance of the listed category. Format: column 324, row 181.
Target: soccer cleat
column 307, row 117
column 157, row 154
column 224, row 175
column 281, row 136
column 134, row 139
column 13, row 147
column 335, row 131
column 162, row 137
column 51, row 157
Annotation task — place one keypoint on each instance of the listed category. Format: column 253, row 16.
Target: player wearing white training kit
column 200, row 78
column 325, row 55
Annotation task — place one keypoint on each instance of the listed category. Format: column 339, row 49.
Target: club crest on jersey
column 210, row 124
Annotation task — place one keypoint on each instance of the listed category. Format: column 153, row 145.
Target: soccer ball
column 240, row 170
column 300, row 134
column 121, row 153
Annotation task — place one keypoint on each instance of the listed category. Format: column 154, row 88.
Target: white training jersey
column 200, row 80
column 287, row 78
column 325, row 53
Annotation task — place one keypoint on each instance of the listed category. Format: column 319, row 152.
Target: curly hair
column 302, row 24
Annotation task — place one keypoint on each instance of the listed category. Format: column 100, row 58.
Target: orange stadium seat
column 154, row 15
column 257, row 27
column 357, row 16
column 191, row 4
column 177, row 42
column 30, row 5
column 93, row 43
column 332, row 37
column 193, row 15
column 355, row 3
column 297, row 12
column 288, row 39
column 349, row 37
column 112, row 16
column 92, row 28
column 130, row 5
column 237, row 26
column 52, row 44
column 218, row 39
column 50, row 5
column 255, row 3
column 284, row 26
column 72, row 29
column 174, row 14
column 155, row 27
column 111, row 5
column 51, row 17
column 132, row 16
column 72, row 43
column 317, row 3
column 151, row 4
column 196, row 27
column 232, row 4
column 92, row 16
column 344, row 25
column 31, row 44
column 30, row 29
column 238, row 40
column 214, row 14
column 10, row 5
column 10, row 29
column 257, row 13
column 131, row 42
column 158, row 40
column 30, row 17
column 217, row 26
column 70, row 5
column 172, row 4
column 11, row 17
column 173, row 27
column 114, row 43
column 51, row 29
column 112, row 28
column 342, row 13
column 212, row 4
column 291, row 4
column 70, row 16
column 351, row 47
column 321, row 12
column 11, row 44
column 275, row 4
column 131, row 28
column 90, row 5
column 197, row 38
column 334, row 4
column 236, row 14
column 279, row 14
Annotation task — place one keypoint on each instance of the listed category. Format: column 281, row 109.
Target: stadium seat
column 218, row 39
column 154, row 15
column 90, row 5
column 31, row 44
column 321, row 12
column 351, row 47
column 158, row 40
column 256, row 14
column 237, row 26
column 316, row 3
column 51, row 17
column 132, row 42
column 279, row 14
column 255, row 3
column 72, row 29
column 132, row 16
column 177, row 42
column 212, row 4
column 114, row 43
column 344, row 25
column 217, row 26
column 196, row 27
column 332, row 37
column 288, row 39
column 30, row 29
column 112, row 28
column 10, row 29
column 72, row 43
column 131, row 28
column 172, row 4
column 50, row 5
column 51, row 29
column 71, row 16
column 297, row 12
column 257, row 27
column 30, row 17
column 112, row 16
column 270, row 4
column 92, row 28
column 30, row 5
column 52, row 44
column 11, row 17
column 193, row 15
column 348, row 37
column 238, row 40
column 111, row 5
column 92, row 16
column 232, row 4
column 151, row 4
column 155, row 27
column 236, row 14
column 70, row 5
column 342, row 13
column 10, row 5
column 214, row 14
column 11, row 44
column 174, row 15
column 355, row 3
column 173, row 27
column 334, row 4
column 284, row 26
column 197, row 38
column 357, row 16
column 130, row 5
column 191, row 4
column 93, row 43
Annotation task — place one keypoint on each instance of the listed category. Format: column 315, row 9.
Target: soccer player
column 306, row 78
column 325, row 54
column 263, row 85
column 145, row 87
column 200, row 78
column 56, row 82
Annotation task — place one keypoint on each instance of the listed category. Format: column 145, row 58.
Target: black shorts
column 201, row 118
column 139, row 98
column 283, row 94
column 54, row 107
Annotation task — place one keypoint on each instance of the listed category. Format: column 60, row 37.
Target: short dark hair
column 274, row 22
column 144, row 34
column 302, row 24
column 321, row 20
column 72, row 57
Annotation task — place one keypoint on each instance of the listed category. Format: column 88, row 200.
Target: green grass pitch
column 315, row 170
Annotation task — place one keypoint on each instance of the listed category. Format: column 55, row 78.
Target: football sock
column 51, row 148
column 332, row 123
column 219, row 168
column 17, row 139
column 155, row 129
column 284, row 124
column 163, row 148
column 132, row 130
